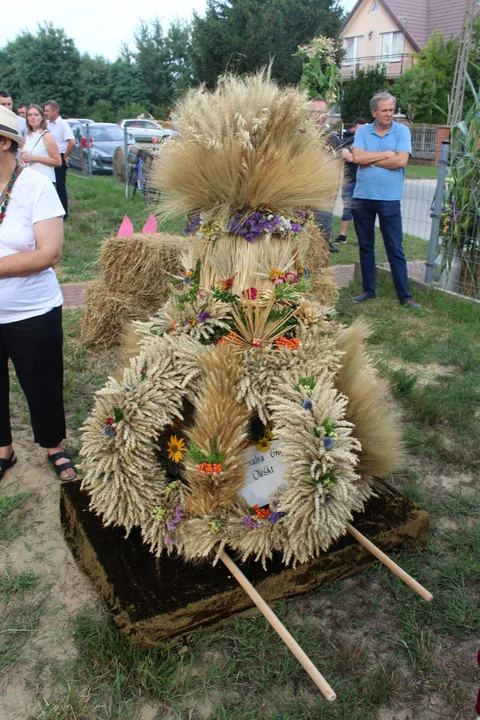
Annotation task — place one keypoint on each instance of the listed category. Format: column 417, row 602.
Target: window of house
column 374, row 7
column 391, row 46
column 350, row 51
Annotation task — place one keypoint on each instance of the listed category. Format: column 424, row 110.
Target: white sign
column 264, row 473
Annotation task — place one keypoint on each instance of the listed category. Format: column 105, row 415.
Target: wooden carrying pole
column 396, row 569
column 289, row 641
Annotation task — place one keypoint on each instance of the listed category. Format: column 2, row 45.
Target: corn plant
column 460, row 223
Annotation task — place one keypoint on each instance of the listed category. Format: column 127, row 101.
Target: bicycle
column 139, row 175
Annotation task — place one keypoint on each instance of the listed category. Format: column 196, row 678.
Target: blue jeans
column 390, row 218
column 324, row 220
column 347, row 195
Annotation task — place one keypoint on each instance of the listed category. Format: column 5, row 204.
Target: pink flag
column 126, row 228
column 151, row 225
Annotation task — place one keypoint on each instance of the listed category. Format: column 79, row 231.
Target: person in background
column 62, row 132
column 349, row 179
column 382, row 150
column 31, row 240
column 323, row 218
column 6, row 101
column 40, row 151
column 22, row 110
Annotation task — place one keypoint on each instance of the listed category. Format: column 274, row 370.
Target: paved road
column 416, row 204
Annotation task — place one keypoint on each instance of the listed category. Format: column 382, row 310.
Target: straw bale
column 141, row 266
column 106, row 315
column 135, row 284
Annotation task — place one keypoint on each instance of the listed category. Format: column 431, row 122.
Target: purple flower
column 275, row 516
column 295, row 227
column 192, row 225
column 328, row 442
column 203, row 317
column 307, row 405
column 169, row 541
column 171, row 526
column 301, row 214
column 179, row 510
column 249, row 522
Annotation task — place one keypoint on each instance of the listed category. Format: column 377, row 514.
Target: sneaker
column 341, row 240
column 362, row 297
column 411, row 304
column 332, row 248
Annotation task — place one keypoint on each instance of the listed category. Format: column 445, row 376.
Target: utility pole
column 455, row 108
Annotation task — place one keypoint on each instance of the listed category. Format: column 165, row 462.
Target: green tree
column 44, row 66
column 94, row 80
column 125, row 83
column 423, row 90
column 101, row 111
column 358, row 92
column 245, row 35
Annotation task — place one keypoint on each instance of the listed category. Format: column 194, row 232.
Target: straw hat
column 9, row 126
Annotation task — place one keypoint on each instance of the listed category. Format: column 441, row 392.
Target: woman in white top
column 40, row 151
column 31, row 240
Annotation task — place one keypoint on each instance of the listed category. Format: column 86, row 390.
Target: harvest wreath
column 247, row 417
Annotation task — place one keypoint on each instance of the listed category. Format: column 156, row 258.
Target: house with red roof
column 390, row 31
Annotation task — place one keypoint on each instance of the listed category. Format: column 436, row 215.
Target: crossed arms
column 388, row 159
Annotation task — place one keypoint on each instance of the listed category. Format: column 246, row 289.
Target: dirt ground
column 42, row 550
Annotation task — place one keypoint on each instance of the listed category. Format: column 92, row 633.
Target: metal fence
column 424, row 138
column 454, row 251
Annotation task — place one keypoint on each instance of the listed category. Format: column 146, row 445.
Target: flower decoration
column 249, row 522
column 289, row 343
column 303, row 271
column 307, row 404
column 291, row 277
column 203, row 317
column 275, row 275
column 175, row 448
column 275, row 517
column 263, row 444
column 261, row 513
column 248, row 225
column 210, row 467
column 158, row 512
column 256, row 342
column 251, row 293
column 215, row 525
column 328, row 442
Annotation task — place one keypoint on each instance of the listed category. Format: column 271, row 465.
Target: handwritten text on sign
column 264, row 473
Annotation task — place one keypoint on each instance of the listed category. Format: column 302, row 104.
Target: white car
column 146, row 131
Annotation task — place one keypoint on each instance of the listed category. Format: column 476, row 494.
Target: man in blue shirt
column 382, row 150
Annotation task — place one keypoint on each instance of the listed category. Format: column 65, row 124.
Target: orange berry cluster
column 290, row 343
column 210, row 467
column 261, row 513
column 231, row 337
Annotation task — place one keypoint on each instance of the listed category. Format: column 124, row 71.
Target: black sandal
column 65, row 466
column 6, row 464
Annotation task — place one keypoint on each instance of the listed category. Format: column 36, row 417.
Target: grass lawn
column 97, row 208
column 383, row 649
column 417, row 172
column 388, row 654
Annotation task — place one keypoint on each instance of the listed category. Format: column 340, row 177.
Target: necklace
column 5, row 196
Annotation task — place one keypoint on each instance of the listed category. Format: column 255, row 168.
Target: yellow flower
column 176, row 448
column 268, row 432
column 263, row 444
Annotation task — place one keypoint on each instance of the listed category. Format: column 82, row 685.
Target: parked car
column 146, row 131
column 104, row 140
column 74, row 122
